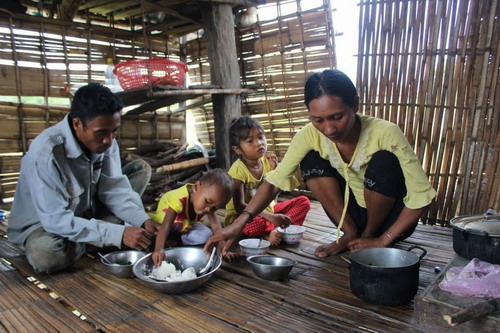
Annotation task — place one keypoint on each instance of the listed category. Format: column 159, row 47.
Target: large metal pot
column 477, row 236
column 385, row 276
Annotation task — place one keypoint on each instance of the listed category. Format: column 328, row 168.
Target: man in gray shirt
column 68, row 169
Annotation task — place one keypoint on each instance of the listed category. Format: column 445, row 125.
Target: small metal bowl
column 270, row 267
column 120, row 263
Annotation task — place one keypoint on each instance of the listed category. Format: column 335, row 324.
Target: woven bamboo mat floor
column 315, row 298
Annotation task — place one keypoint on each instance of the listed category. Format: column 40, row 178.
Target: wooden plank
column 27, row 308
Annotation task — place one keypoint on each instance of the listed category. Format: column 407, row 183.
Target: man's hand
column 137, row 238
column 151, row 226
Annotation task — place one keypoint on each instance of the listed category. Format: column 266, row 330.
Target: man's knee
column 139, row 173
column 48, row 253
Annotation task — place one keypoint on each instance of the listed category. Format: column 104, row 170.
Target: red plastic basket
column 139, row 73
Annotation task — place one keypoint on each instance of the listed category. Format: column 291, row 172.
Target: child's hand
column 158, row 257
column 272, row 159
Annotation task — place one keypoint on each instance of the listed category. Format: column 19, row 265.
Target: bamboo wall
column 430, row 66
column 433, row 68
column 275, row 58
column 51, row 59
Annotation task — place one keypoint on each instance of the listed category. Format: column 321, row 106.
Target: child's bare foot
column 275, row 237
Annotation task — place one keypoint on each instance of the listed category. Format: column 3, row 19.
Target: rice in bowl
column 168, row 272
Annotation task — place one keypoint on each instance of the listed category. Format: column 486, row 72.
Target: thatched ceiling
column 161, row 17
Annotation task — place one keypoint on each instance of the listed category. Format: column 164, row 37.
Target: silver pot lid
column 486, row 224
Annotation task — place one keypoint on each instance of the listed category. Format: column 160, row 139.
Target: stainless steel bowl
column 182, row 258
column 120, row 263
column 270, row 267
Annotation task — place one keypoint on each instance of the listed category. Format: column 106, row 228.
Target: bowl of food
column 178, row 279
column 120, row 263
column 292, row 234
column 270, row 267
column 254, row 246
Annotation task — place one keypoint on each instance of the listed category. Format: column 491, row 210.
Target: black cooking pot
column 385, row 276
column 477, row 236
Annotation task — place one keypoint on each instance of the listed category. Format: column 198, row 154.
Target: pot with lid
column 477, row 236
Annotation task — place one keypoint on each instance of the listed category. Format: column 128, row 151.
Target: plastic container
column 138, row 73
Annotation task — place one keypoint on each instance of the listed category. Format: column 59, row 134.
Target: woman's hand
column 279, row 220
column 226, row 236
column 364, row 243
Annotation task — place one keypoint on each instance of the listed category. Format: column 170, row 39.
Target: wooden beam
column 218, row 22
column 202, row 92
column 68, row 8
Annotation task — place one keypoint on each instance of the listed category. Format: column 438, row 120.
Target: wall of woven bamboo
column 430, row 66
column 433, row 68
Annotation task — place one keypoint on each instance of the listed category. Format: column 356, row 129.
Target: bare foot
column 275, row 237
column 327, row 250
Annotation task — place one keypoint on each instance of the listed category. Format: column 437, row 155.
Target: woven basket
column 138, row 73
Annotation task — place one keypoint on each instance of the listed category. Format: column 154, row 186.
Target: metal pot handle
column 424, row 251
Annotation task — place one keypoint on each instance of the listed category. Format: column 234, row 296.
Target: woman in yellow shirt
column 361, row 169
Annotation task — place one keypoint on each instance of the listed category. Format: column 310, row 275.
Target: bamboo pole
column 184, row 164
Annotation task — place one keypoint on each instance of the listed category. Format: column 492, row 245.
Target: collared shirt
column 58, row 185
column 376, row 134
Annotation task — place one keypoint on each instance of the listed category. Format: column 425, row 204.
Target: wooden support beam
column 202, row 92
column 68, row 8
column 218, row 22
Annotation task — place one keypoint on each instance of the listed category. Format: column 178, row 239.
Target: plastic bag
column 477, row 279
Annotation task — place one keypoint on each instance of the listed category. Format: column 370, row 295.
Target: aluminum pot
column 477, row 236
column 385, row 276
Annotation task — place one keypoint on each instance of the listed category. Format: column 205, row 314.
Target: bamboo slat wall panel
column 276, row 57
column 433, row 68
column 49, row 56
column 21, row 123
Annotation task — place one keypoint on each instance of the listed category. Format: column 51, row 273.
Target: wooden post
column 218, row 22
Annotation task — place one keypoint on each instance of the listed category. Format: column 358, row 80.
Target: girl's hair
column 94, row 100
column 240, row 128
column 221, row 178
column 330, row 82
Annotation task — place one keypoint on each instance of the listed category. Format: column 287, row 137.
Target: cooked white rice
column 169, row 273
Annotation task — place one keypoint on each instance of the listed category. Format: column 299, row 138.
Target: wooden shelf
column 160, row 96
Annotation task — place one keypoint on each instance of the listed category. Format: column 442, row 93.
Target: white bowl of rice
column 177, row 274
